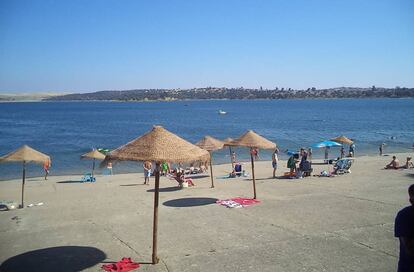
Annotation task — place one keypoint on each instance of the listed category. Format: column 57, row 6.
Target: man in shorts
column 275, row 160
column 404, row 230
column 147, row 171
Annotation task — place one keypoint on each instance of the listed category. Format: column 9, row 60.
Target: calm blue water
column 65, row 130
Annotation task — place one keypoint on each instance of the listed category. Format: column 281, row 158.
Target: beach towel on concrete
column 125, row 264
column 237, row 202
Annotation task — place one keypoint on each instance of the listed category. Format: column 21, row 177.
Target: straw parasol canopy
column 253, row 140
column 158, row 145
column 25, row 154
column 95, row 155
column 343, row 140
column 210, row 144
column 228, row 141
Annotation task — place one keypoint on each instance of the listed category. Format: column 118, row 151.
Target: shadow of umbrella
column 69, row 181
column 190, row 202
column 64, row 258
column 166, row 189
column 410, row 175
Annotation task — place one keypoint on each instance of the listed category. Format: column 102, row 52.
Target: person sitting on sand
column 394, row 164
column 180, row 178
column 232, row 174
column 408, row 164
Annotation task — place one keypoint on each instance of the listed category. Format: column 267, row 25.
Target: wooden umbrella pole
column 93, row 166
column 211, row 170
column 24, row 179
column 254, row 180
column 231, row 158
column 155, row 258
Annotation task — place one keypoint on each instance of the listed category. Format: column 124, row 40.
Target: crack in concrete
column 363, row 226
column 363, row 244
column 277, row 226
column 119, row 239
column 366, row 199
column 166, row 266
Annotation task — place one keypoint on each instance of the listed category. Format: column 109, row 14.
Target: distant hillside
column 235, row 93
column 27, row 97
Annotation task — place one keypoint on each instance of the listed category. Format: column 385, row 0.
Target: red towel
column 237, row 202
column 245, row 201
column 126, row 264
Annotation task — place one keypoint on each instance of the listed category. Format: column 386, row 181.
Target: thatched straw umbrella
column 94, row 154
column 230, row 142
column 254, row 140
column 25, row 154
column 343, row 140
column 158, row 145
column 210, row 144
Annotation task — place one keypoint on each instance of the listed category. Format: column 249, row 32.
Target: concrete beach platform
column 343, row 223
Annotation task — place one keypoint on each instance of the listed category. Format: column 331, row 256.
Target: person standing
column 310, row 154
column 404, row 230
column 275, row 160
column 327, row 154
column 352, row 150
column 147, row 171
column 255, row 153
column 46, row 166
column 165, row 168
column 342, row 152
column 381, row 149
column 109, row 167
column 233, row 157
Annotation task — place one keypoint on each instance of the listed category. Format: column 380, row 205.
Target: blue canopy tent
column 326, row 145
column 290, row 152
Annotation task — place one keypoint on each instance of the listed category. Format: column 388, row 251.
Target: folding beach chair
column 343, row 166
column 87, row 177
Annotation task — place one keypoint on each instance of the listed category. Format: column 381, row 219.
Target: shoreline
column 245, row 163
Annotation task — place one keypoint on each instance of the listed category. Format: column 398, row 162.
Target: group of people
column 351, row 152
column 395, row 164
column 298, row 164
column 178, row 173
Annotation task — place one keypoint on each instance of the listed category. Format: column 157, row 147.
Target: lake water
column 65, row 130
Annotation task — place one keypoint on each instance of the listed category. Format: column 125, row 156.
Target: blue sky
column 80, row 46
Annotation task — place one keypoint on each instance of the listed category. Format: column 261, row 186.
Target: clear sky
column 80, row 46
